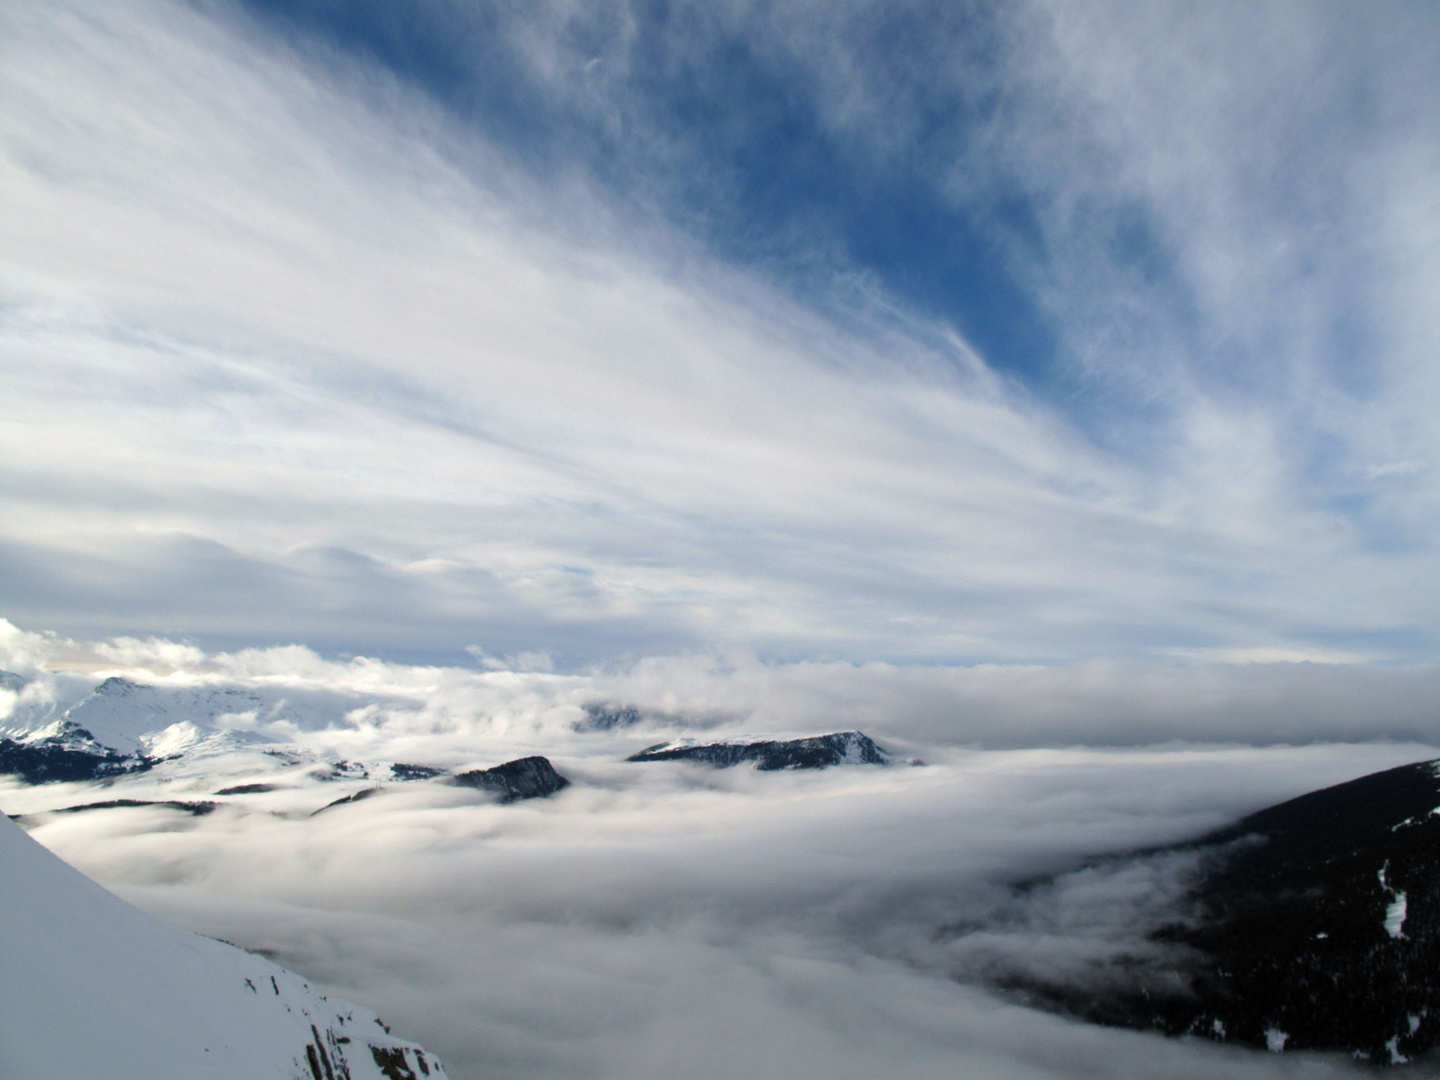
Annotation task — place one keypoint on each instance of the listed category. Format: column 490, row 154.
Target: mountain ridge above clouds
column 770, row 754
column 1313, row 924
column 212, row 731
column 94, row 987
column 123, row 727
column 158, row 736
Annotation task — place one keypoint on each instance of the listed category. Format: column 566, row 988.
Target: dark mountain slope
column 1314, row 924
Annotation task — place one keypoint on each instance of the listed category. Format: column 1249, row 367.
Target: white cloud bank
column 661, row 918
column 290, row 356
column 1098, row 703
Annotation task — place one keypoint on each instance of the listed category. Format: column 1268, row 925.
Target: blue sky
column 938, row 334
column 711, row 117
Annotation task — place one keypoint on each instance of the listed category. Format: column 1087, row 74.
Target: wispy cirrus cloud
column 301, row 346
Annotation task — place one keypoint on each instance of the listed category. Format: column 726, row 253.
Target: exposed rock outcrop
column 523, row 778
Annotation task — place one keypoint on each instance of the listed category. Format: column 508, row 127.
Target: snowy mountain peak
column 129, row 716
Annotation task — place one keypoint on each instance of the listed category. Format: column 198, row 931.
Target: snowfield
column 94, row 988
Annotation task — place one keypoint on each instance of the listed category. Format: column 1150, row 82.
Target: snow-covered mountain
column 143, row 719
column 64, row 751
column 255, row 739
column 90, row 987
column 123, row 729
column 155, row 721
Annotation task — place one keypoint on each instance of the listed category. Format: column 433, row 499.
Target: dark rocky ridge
column 1312, row 925
column 816, row 752
column 523, row 778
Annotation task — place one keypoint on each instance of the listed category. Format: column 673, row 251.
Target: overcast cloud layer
column 509, row 344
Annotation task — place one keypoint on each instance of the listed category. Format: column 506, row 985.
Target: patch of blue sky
column 723, row 137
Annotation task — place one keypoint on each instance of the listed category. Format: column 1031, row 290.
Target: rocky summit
column 815, row 752
column 1312, row 925
column 523, row 778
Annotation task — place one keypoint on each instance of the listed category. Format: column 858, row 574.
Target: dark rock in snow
column 524, row 778
column 394, row 1065
column 247, row 789
column 401, row 771
column 1313, row 925
column 816, row 752
column 67, row 753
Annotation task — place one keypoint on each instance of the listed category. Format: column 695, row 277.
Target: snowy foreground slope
column 93, row 989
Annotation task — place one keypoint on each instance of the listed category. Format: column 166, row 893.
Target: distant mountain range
column 125, row 728
column 90, row 987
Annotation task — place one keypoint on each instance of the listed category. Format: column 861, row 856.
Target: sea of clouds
column 655, row 919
